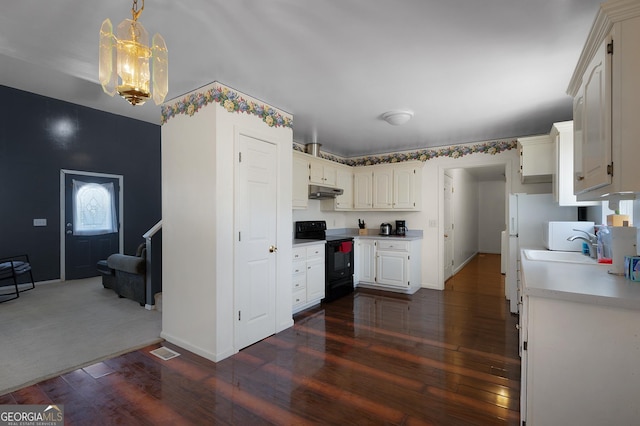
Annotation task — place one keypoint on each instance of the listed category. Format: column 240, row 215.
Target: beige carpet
column 59, row 327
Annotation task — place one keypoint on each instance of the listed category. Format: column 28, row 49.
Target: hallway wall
column 491, row 217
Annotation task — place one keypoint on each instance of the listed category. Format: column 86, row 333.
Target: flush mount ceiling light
column 397, row 117
column 128, row 65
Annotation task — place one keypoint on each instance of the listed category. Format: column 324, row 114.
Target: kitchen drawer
column 299, row 267
column 299, row 282
column 299, row 297
column 393, row 245
column 315, row 251
column 299, row 253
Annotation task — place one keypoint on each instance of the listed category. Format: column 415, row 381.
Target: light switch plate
column 39, row 222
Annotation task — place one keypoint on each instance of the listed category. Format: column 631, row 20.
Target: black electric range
column 338, row 260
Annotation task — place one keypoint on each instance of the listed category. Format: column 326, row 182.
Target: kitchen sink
column 558, row 256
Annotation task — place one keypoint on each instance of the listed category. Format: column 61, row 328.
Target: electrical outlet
column 39, row 222
column 433, row 223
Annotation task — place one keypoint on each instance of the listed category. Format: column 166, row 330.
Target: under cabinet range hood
column 317, row 192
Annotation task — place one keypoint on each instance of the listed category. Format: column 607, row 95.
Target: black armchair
column 129, row 276
column 12, row 270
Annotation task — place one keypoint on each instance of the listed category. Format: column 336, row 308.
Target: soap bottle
column 604, row 244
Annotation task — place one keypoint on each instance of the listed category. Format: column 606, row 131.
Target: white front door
column 255, row 250
column 448, row 227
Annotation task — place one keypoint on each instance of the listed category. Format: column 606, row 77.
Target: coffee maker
column 401, row 228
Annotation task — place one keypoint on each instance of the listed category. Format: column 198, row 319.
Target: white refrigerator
column 527, row 215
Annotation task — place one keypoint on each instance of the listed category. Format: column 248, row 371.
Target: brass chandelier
column 127, row 64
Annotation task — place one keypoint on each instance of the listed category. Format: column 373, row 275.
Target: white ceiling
column 470, row 70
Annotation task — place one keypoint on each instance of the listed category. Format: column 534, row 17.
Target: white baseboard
column 195, row 349
column 463, row 264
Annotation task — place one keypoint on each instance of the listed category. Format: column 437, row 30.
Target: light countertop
column 374, row 234
column 412, row 235
column 407, row 237
column 302, row 243
column 585, row 283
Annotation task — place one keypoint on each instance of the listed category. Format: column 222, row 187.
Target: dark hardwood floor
column 434, row 358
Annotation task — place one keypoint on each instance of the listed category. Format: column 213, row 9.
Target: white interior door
column 448, row 227
column 255, row 251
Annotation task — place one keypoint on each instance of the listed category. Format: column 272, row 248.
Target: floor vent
column 165, row 353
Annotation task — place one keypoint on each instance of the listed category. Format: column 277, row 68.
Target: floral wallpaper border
column 230, row 100
column 456, row 151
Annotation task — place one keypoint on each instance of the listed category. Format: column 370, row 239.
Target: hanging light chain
column 134, row 9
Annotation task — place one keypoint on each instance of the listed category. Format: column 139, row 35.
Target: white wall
column 465, row 203
column 189, row 231
column 491, row 218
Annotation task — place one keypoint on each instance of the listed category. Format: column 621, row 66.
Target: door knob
column 273, row 249
column 69, row 232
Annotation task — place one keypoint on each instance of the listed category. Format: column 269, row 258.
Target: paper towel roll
column 623, row 243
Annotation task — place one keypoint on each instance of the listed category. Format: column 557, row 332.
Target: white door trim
column 462, row 164
column 63, row 173
column 449, row 233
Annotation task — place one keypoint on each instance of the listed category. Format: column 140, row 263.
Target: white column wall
column 189, row 232
column 198, row 178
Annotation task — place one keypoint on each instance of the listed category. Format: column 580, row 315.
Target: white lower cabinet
column 365, row 260
column 389, row 264
column 392, row 268
column 308, row 276
column 579, row 364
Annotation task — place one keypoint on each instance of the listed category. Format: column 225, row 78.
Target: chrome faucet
column 590, row 238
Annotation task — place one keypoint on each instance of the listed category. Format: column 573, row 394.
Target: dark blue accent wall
column 39, row 136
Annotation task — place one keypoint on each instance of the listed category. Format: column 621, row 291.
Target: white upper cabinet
column 300, row 190
column 378, row 187
column 382, row 187
column 405, row 195
column 344, row 181
column 536, row 159
column 322, row 172
column 590, row 109
column 562, row 138
column 604, row 86
column 362, row 188
column 388, row 186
